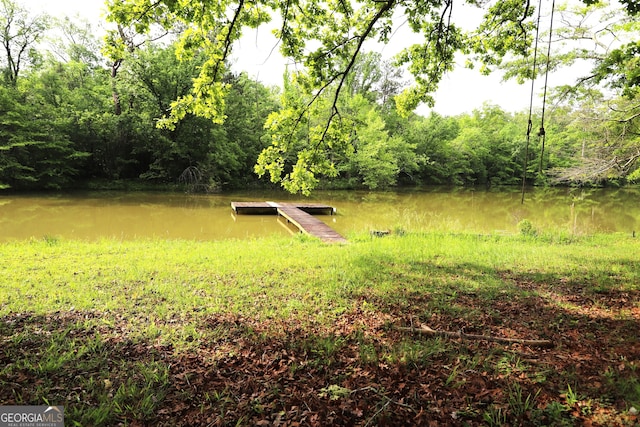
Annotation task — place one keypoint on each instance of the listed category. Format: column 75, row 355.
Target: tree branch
column 334, row 107
column 228, row 39
column 342, row 75
column 426, row 330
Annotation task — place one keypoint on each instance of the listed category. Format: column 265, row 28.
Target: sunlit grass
column 135, row 296
column 281, row 276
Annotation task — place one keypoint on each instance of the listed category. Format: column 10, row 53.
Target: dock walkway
column 297, row 214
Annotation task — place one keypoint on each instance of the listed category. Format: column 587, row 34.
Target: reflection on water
column 209, row 217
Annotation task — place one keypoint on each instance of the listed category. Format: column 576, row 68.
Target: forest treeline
column 69, row 117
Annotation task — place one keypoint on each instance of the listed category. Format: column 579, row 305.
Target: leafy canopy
column 324, row 38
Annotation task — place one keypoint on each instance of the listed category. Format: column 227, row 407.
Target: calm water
column 209, row 217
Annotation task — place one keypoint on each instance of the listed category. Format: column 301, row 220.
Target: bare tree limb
column 426, row 330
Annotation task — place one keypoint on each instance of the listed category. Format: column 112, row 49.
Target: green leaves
column 208, row 27
column 326, row 38
column 633, row 7
column 507, row 28
column 301, row 146
column 621, row 68
column 600, row 38
column 35, row 150
column 375, row 158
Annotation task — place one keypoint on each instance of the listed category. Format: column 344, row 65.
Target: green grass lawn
column 282, row 331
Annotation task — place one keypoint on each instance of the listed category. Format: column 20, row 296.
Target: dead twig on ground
column 426, row 330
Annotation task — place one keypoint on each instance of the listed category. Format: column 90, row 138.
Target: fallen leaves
column 354, row 371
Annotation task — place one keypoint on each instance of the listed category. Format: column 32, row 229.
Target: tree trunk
column 117, row 107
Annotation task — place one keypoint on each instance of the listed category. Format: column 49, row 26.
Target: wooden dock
column 298, row 214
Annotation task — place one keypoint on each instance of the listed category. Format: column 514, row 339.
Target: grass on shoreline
column 282, row 331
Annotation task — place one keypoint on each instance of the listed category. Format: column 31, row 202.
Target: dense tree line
column 70, row 115
column 60, row 127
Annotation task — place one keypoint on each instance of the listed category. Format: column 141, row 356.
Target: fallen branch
column 425, row 330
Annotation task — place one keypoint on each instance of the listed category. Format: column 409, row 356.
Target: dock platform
column 298, row 214
column 271, row 208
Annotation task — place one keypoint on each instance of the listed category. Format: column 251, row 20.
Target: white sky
column 461, row 91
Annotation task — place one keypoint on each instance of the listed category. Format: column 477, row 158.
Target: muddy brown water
column 131, row 215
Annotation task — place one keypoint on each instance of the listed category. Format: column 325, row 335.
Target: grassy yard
column 293, row 332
